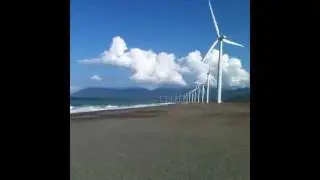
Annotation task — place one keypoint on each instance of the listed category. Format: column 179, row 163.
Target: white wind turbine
column 202, row 93
column 198, row 90
column 194, row 95
column 198, row 85
column 221, row 39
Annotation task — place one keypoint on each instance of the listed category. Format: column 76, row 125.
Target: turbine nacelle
column 222, row 37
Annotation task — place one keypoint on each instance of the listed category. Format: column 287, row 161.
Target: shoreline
column 129, row 108
column 120, row 110
column 118, row 107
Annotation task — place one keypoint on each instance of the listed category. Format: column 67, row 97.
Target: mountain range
column 240, row 94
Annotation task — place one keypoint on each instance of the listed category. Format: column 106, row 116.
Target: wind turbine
column 192, row 96
column 198, row 84
column 198, row 89
column 202, row 93
column 221, row 39
column 195, row 94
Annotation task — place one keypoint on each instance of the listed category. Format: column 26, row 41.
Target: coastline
column 85, row 109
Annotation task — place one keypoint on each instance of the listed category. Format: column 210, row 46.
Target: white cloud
column 153, row 68
column 233, row 73
column 147, row 66
column 96, row 78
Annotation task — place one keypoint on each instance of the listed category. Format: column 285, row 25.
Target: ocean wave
column 111, row 107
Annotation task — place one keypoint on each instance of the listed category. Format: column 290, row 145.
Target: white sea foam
column 111, row 107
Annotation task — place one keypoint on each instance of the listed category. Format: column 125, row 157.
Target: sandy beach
column 175, row 142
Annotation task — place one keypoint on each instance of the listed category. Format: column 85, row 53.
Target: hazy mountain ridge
column 241, row 94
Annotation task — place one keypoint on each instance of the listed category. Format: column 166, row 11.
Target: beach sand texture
column 175, row 142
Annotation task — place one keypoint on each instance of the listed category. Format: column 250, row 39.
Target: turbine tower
column 198, row 85
column 198, row 89
column 221, row 39
column 202, row 93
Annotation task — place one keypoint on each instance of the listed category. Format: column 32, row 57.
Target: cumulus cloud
column 146, row 65
column 96, row 78
column 153, row 68
column 233, row 74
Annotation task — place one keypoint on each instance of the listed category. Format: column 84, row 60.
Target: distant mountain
column 242, row 94
column 107, row 92
column 236, row 95
column 126, row 93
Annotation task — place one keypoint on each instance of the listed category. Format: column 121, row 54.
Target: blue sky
column 172, row 26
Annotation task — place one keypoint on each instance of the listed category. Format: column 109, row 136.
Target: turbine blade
column 231, row 42
column 213, row 45
column 214, row 20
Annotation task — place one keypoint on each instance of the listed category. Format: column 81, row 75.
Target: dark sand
column 189, row 142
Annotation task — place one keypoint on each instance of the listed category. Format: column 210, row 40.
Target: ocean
column 80, row 104
column 94, row 99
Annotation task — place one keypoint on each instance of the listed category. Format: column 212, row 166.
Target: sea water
column 96, row 104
